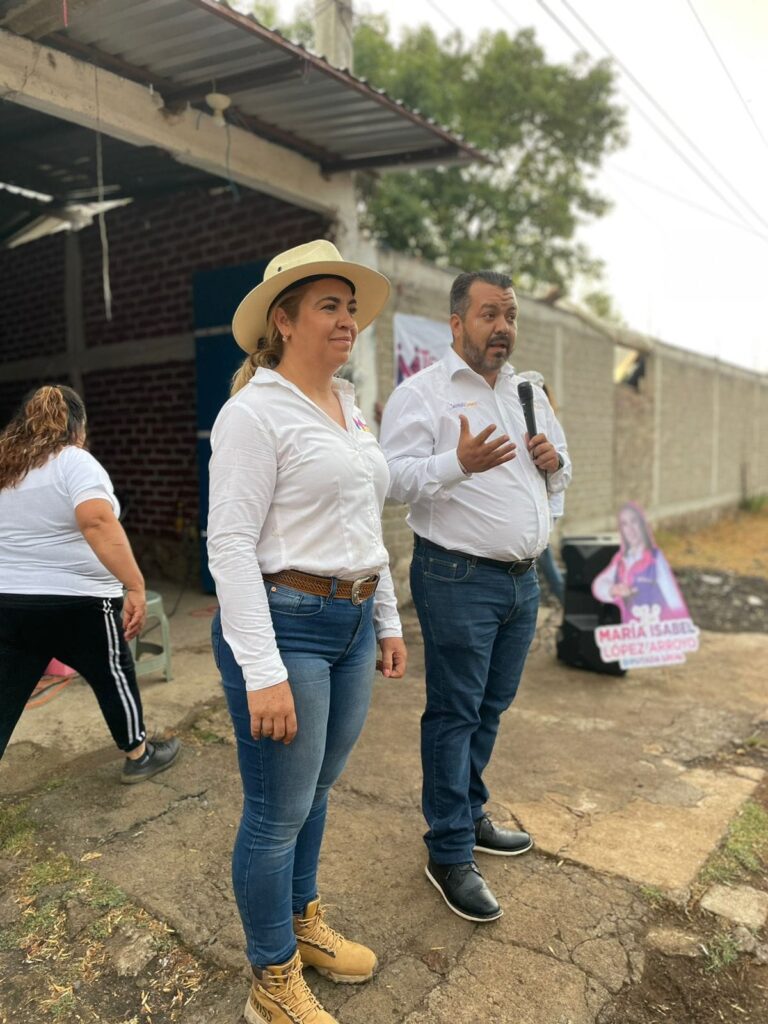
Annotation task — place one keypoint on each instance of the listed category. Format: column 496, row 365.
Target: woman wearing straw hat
column 295, row 546
column 64, row 560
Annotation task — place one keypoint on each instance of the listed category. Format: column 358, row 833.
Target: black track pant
column 85, row 633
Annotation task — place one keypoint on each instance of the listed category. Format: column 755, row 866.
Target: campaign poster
column 419, row 342
column 656, row 627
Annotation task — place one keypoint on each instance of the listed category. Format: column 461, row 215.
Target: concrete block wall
column 760, row 438
column 710, row 434
column 588, row 417
column 633, row 441
column 686, row 396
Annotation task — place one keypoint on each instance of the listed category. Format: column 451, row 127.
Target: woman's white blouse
column 291, row 489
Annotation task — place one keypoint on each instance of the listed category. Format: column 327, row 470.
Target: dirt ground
column 116, row 905
column 737, row 543
column 732, row 556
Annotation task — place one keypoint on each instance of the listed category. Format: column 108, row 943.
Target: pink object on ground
column 58, row 668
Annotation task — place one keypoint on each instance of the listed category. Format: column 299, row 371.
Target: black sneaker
column 464, row 890
column 503, row 842
column 156, row 758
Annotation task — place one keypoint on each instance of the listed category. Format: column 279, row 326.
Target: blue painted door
column 217, row 356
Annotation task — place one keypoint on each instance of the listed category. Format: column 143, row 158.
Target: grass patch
column 47, row 873
column 720, row 952
column 98, row 892
column 16, row 830
column 53, row 784
column 61, row 1008
column 755, row 504
column 40, row 932
column 206, row 736
column 745, row 848
column 652, row 895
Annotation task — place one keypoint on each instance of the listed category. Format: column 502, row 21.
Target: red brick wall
column 142, row 419
column 32, row 313
column 156, row 246
column 141, row 426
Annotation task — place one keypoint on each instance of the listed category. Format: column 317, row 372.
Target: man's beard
column 481, row 359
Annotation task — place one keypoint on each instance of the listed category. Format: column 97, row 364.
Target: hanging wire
column 105, row 280
column 232, row 183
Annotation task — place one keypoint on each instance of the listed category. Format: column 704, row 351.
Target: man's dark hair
column 462, row 284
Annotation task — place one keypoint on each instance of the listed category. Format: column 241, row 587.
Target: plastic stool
column 149, row 656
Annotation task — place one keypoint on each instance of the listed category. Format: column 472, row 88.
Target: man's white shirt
column 502, row 513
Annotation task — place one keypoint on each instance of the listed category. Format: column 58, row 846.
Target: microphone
column 525, row 394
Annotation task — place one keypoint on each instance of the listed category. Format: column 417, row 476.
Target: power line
column 503, row 10
column 441, row 12
column 690, row 202
column 728, row 73
column 670, row 142
column 657, row 106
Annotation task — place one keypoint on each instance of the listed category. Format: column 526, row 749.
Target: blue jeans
column 478, row 622
column 328, row 647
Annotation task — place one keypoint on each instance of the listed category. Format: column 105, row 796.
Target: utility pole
column 333, row 32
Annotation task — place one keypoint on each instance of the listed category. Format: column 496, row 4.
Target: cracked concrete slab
column 536, row 988
column 598, row 769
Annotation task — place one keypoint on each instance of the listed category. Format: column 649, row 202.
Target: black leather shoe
column 158, row 756
column 503, row 842
column 464, row 890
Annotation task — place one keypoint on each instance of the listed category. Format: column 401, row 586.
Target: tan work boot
column 279, row 995
column 329, row 952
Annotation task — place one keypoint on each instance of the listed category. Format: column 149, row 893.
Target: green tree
column 545, row 128
column 601, row 304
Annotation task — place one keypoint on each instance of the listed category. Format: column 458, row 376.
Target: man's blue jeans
column 329, row 649
column 478, row 622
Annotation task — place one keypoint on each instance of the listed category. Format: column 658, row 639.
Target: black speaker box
column 585, row 558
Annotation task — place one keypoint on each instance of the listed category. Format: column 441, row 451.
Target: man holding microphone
column 477, row 484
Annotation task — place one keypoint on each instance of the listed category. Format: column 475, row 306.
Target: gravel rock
column 673, row 942
column 130, row 949
column 733, row 604
column 740, row 903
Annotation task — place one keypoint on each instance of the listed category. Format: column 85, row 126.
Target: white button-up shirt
column 291, row 489
column 502, row 513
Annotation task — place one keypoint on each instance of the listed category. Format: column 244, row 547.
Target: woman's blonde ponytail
column 270, row 348
column 49, row 419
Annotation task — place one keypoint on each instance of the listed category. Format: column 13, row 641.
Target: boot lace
column 317, row 932
column 291, row 990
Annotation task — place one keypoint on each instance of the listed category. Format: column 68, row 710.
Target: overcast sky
column 681, row 269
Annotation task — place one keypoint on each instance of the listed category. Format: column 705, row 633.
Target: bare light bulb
column 218, row 103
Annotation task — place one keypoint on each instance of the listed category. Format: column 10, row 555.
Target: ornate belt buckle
column 357, row 586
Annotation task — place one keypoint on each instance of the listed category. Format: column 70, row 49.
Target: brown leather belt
column 355, row 591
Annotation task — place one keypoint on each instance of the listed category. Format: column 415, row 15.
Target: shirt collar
column 455, row 364
column 265, row 375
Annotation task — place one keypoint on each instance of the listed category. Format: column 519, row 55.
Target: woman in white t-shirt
column 295, row 546
column 64, row 560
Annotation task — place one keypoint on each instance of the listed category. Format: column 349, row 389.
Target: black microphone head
column 525, row 391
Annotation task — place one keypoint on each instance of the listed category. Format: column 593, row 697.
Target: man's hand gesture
column 477, row 454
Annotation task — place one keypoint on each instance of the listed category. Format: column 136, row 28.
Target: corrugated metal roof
column 278, row 88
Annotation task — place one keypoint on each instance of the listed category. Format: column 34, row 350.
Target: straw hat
column 318, row 258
